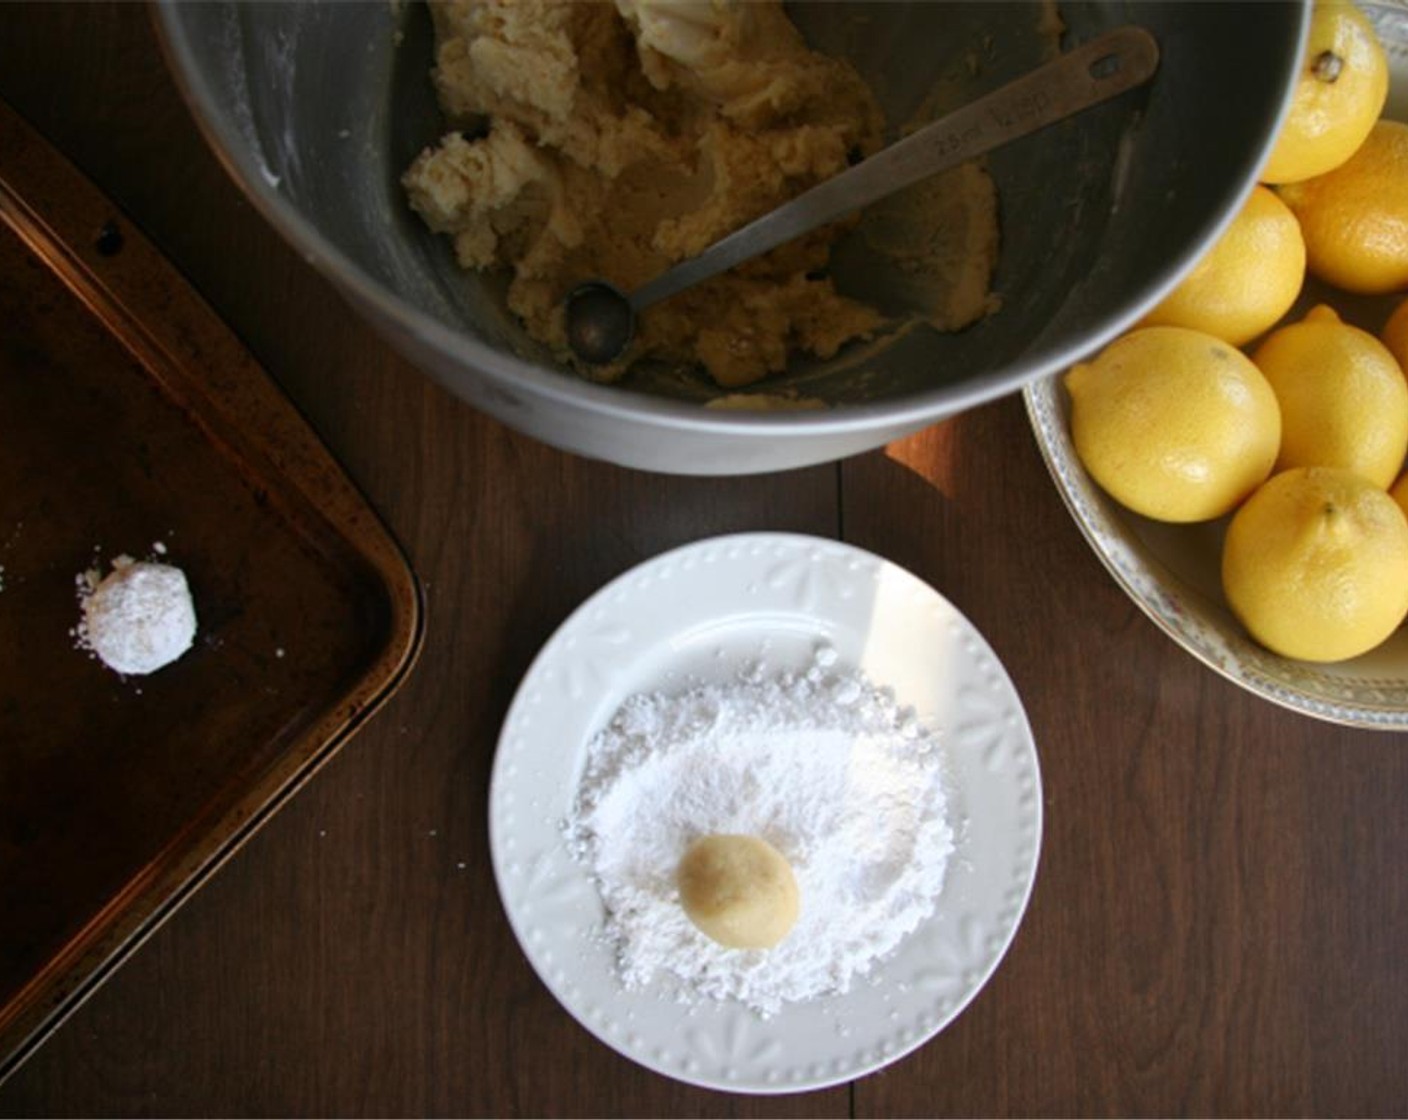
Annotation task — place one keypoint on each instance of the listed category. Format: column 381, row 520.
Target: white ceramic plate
column 1172, row 572
column 701, row 612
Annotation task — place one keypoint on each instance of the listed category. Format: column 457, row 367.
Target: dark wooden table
column 1220, row 923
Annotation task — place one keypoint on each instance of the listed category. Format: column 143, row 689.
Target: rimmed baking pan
column 132, row 421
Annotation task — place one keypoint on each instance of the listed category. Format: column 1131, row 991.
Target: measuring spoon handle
column 1083, row 77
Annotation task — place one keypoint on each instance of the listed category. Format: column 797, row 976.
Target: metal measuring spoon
column 601, row 318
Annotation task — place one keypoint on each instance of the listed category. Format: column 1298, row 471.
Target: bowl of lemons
column 1237, row 458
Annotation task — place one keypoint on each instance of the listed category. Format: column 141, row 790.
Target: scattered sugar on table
column 138, row 618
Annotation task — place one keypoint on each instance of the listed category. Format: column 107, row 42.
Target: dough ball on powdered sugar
column 139, row 618
column 848, row 783
column 739, row 891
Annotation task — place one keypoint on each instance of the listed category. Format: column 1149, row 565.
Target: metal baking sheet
column 133, row 422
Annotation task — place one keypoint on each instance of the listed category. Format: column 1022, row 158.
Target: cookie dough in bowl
column 612, row 140
column 319, row 111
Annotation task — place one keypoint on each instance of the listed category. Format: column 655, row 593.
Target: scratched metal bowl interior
column 317, row 109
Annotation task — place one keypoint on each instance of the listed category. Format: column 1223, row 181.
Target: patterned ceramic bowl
column 1172, row 571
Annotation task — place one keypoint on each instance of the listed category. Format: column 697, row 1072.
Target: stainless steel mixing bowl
column 317, row 108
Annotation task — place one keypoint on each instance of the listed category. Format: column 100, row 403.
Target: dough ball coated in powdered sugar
column 739, row 890
column 140, row 617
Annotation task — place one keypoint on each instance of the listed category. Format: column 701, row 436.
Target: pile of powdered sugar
column 822, row 764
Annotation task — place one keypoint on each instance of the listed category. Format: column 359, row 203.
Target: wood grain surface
column 1220, row 919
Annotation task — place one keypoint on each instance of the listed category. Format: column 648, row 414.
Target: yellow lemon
column 1340, row 93
column 1315, row 564
column 1344, row 400
column 1246, row 281
column 1355, row 218
column 1395, row 335
column 1173, row 423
